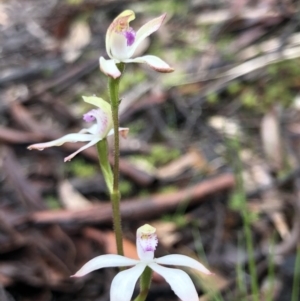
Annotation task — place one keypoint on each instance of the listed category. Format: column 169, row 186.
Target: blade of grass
column 242, row 289
column 271, row 270
column 213, row 293
column 234, row 148
column 296, row 280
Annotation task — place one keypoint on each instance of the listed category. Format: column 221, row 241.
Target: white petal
column 153, row 61
column 67, row 138
column 92, row 130
column 179, row 281
column 91, row 143
column 182, row 260
column 123, row 284
column 109, row 67
column 118, row 46
column 146, row 30
column 105, row 261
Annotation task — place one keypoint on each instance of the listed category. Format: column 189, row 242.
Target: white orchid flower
column 146, row 241
column 103, row 128
column 122, row 41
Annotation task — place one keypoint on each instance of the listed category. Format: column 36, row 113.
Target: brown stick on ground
column 142, row 208
column 27, row 193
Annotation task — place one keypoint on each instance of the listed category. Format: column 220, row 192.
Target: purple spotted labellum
column 130, row 36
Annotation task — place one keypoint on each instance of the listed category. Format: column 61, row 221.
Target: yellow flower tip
column 98, row 102
column 91, row 99
column 121, row 22
column 146, row 230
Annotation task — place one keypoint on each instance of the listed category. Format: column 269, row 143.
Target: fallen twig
column 145, row 208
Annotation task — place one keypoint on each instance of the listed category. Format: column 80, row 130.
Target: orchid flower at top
column 146, row 241
column 122, row 41
column 98, row 131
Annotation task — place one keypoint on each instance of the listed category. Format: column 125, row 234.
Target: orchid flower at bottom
column 103, row 128
column 146, row 241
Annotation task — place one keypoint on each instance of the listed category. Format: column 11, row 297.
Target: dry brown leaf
column 256, row 176
column 167, row 234
column 78, row 38
column 111, row 248
column 226, row 126
column 271, row 139
column 72, row 199
column 192, row 159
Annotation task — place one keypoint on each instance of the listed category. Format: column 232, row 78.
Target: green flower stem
column 104, row 164
column 145, row 283
column 113, row 85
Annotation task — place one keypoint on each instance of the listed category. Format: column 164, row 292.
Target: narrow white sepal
column 153, row 61
column 92, row 130
column 67, row 138
column 123, row 284
column 182, row 260
column 109, row 67
column 91, row 143
column 105, row 261
column 179, row 281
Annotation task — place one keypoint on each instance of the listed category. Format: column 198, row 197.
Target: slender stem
column 104, row 164
column 115, row 198
column 115, row 195
column 145, row 283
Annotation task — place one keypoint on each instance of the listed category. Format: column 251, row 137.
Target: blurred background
column 212, row 158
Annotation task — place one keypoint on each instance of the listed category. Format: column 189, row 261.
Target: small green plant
column 82, row 169
column 177, row 218
column 234, row 87
column 52, row 202
column 212, row 98
column 249, row 98
column 161, row 155
column 125, row 187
